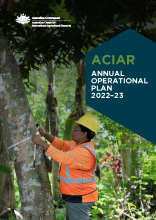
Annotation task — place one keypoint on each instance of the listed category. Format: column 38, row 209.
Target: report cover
column 77, row 109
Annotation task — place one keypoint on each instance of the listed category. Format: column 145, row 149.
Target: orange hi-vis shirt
column 77, row 172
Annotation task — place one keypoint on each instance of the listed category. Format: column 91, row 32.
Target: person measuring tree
column 78, row 164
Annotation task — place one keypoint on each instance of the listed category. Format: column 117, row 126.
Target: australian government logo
column 23, row 19
column 43, row 21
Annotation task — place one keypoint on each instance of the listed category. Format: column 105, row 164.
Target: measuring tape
column 22, row 141
column 37, row 133
column 38, row 126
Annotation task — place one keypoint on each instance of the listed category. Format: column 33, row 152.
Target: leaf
column 100, row 210
column 4, row 169
column 131, row 204
column 134, row 177
column 56, row 203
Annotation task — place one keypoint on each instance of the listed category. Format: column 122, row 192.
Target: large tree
column 7, row 192
column 18, row 123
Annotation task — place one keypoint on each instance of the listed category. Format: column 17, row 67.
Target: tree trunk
column 18, row 123
column 7, row 192
column 79, row 94
column 129, row 158
column 69, row 125
column 79, row 109
column 51, row 124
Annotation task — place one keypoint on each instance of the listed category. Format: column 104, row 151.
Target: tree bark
column 79, row 109
column 69, row 125
column 18, row 123
column 51, row 124
column 129, row 160
column 7, row 192
column 79, row 94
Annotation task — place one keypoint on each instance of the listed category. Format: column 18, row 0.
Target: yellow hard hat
column 89, row 121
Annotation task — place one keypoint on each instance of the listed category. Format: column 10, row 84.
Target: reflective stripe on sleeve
column 71, row 146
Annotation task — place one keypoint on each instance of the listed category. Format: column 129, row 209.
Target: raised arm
column 57, row 143
column 47, row 136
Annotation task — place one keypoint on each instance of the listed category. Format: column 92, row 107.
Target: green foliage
column 122, row 198
column 69, row 125
column 92, row 23
column 60, row 213
column 17, row 195
column 4, row 169
column 148, row 160
column 103, row 208
column 65, row 84
column 10, row 216
column 124, row 202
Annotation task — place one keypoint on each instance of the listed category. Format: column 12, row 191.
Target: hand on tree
column 41, row 131
column 37, row 140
